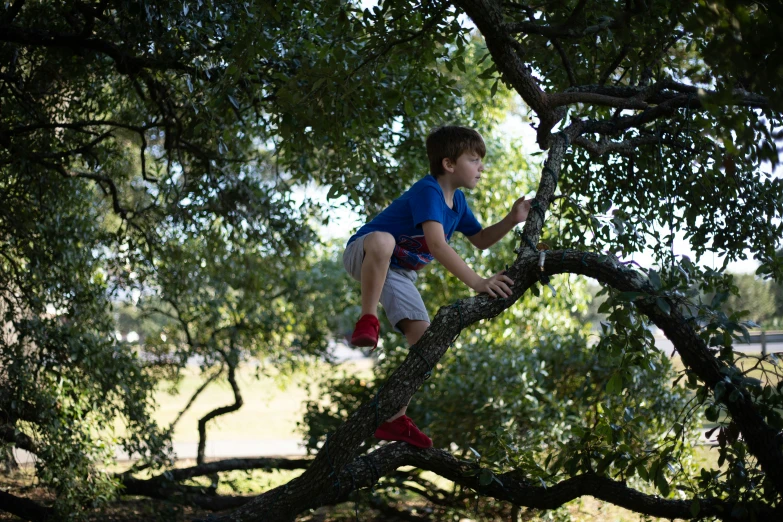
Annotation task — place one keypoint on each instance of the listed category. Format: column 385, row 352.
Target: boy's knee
column 380, row 243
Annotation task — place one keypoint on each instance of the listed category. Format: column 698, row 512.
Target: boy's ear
column 447, row 164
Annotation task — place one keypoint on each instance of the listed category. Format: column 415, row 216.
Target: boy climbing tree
column 385, row 254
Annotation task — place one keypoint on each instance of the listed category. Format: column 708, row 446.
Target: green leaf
column 485, row 477
column 695, row 508
column 615, row 384
column 628, row 296
column 655, row 279
column 663, row 305
column 663, row 484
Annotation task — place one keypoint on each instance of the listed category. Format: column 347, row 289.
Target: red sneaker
column 403, row 429
column 366, row 331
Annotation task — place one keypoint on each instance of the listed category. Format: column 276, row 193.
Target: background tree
column 138, row 139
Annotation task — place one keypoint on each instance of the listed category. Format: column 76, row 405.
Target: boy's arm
column 494, row 233
column 495, row 286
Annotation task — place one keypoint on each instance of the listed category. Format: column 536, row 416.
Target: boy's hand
column 520, row 210
column 495, row 286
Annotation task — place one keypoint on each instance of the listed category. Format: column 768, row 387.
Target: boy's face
column 466, row 171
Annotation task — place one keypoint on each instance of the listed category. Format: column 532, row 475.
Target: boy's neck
column 447, row 187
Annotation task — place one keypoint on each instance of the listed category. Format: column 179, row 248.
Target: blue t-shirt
column 402, row 219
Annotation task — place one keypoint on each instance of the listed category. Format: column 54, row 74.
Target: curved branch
column 193, row 398
column 566, row 62
column 202, row 423
column 165, row 485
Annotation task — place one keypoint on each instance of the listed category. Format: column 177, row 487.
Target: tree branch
column 568, row 98
column 507, row 54
column 202, row 423
column 605, row 145
column 566, row 62
column 210, row 468
column 25, row 508
column 193, row 398
column 621, row 54
column 512, row 487
column 125, row 62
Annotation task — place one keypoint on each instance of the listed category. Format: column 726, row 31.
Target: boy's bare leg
column 413, row 331
column 378, row 248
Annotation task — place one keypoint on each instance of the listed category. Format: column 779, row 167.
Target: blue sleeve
column 426, row 205
column 468, row 224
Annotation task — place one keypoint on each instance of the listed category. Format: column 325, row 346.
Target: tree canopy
column 156, row 147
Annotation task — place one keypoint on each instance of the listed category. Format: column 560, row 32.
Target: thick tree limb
column 513, row 486
column 25, row 508
column 507, row 54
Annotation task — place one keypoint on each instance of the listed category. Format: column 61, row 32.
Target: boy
column 385, row 254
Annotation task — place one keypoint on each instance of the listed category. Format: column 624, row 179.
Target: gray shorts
column 399, row 297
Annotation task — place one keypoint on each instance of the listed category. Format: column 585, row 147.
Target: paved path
column 216, row 449
column 662, row 343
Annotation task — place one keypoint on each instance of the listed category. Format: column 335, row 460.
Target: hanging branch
column 231, row 361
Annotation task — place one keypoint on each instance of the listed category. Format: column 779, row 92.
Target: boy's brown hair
column 450, row 141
